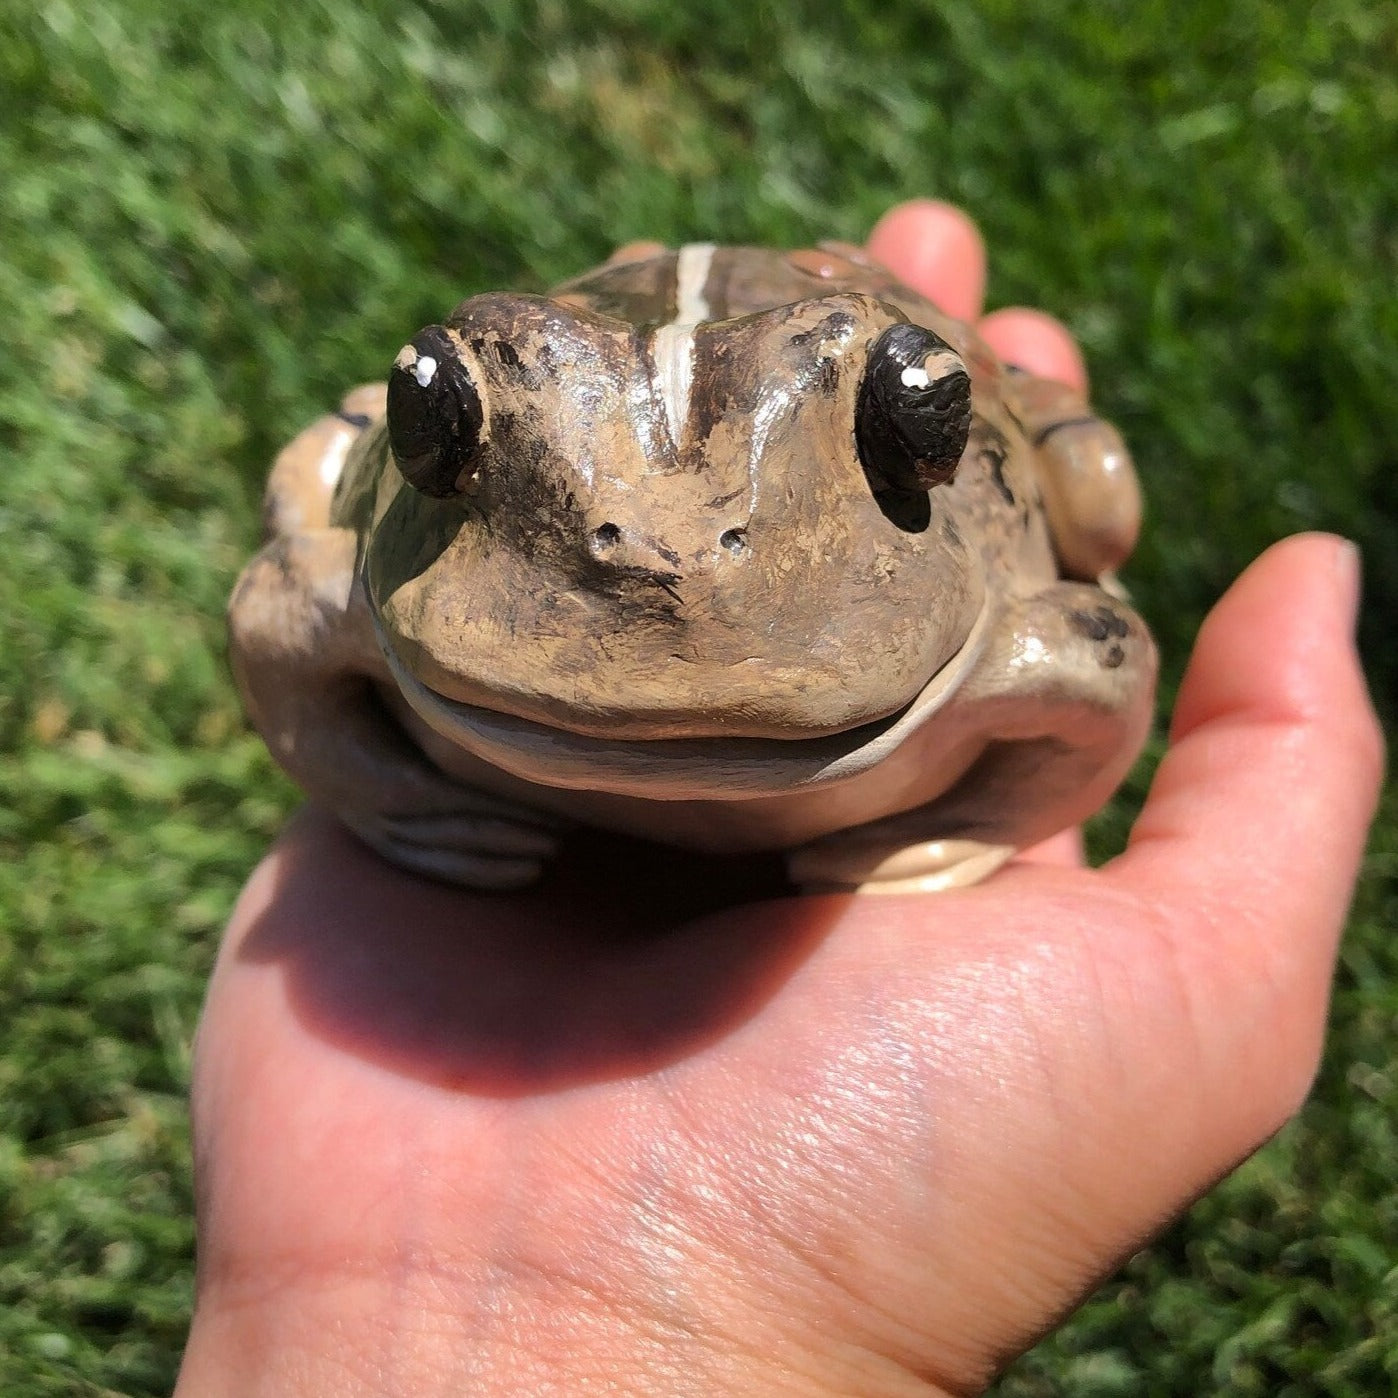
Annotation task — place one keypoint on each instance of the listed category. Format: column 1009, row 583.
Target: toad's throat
column 679, row 769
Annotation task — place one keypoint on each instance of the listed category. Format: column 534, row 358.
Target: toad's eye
column 914, row 411
column 434, row 414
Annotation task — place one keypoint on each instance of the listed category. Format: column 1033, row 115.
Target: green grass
column 212, row 218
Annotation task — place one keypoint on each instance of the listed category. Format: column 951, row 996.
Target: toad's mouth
column 678, row 769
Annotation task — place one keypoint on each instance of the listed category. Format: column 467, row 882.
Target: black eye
column 914, row 411
column 434, row 414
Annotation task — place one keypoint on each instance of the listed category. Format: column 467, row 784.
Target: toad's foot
column 476, row 849
column 842, row 864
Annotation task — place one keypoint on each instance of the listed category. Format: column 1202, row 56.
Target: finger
column 1274, row 733
column 937, row 250
column 1255, row 824
column 1035, row 342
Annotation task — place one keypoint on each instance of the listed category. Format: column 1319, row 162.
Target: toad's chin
column 677, row 769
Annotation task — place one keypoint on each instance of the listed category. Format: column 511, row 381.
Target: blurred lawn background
column 214, row 218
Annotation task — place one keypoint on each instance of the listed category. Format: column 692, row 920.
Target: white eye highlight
column 936, row 365
column 425, row 370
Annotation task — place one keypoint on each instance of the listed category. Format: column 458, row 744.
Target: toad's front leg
column 306, row 661
column 1058, row 708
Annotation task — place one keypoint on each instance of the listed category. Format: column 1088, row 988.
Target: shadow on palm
column 628, row 957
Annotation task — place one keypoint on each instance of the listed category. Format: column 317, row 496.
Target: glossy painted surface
column 670, row 563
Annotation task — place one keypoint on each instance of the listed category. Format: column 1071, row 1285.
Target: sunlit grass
column 214, row 218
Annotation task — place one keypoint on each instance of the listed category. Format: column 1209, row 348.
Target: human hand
column 654, row 1129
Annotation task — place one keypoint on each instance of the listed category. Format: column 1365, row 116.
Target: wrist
column 359, row 1340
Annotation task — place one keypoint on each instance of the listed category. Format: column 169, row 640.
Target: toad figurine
column 728, row 548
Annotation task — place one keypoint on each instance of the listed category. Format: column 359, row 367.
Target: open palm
column 658, row 1127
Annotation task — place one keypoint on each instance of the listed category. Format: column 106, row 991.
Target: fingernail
column 1347, row 577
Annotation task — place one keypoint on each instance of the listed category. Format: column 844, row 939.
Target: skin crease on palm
column 656, row 1129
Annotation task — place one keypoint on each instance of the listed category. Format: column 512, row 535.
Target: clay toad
column 730, row 548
